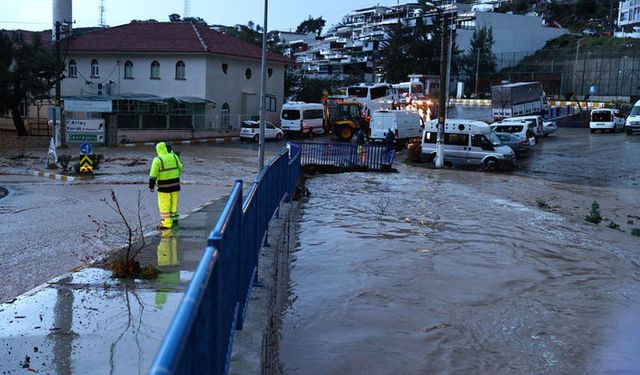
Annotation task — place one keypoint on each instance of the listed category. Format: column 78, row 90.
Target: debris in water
column 437, row 326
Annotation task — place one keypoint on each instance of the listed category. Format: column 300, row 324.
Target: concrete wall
column 240, row 93
column 511, row 33
column 112, row 69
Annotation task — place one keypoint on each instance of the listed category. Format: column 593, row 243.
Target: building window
column 270, row 103
column 224, row 118
column 270, row 72
column 128, row 70
column 247, row 73
column 95, row 68
column 155, row 70
column 180, row 70
column 225, row 68
column 73, row 69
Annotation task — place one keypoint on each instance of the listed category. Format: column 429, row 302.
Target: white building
column 171, row 80
column 629, row 17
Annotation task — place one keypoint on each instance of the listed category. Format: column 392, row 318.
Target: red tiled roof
column 166, row 37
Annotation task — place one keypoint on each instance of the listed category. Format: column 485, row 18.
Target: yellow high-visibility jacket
column 165, row 170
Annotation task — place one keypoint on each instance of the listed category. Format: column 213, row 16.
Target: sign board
column 103, row 106
column 82, row 138
column 86, row 164
column 86, row 149
column 83, row 131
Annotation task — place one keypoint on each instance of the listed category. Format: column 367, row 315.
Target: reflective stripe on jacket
column 165, row 170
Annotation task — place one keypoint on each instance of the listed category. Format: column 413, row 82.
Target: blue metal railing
column 200, row 337
column 374, row 157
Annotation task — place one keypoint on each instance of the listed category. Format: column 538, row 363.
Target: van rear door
column 290, row 120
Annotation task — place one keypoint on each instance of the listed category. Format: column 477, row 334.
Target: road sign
column 86, row 149
column 86, row 164
column 81, row 138
column 82, row 131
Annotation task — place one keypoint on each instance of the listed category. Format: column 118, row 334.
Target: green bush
column 594, row 216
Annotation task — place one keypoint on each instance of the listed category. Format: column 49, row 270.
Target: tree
column 311, row 25
column 480, row 59
column 27, row 72
column 395, row 55
column 175, row 17
column 197, row 20
column 252, row 33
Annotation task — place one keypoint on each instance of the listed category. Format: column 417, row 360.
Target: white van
column 536, row 122
column 468, row 142
column 404, row 124
column 633, row 121
column 302, row 117
column 518, row 128
column 606, row 119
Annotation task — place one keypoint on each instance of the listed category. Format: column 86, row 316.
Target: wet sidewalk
column 86, row 322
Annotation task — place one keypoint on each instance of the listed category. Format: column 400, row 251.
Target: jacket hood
column 161, row 149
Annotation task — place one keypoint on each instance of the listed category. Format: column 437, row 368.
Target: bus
column 374, row 97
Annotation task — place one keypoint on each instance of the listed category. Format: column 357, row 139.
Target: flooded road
column 440, row 272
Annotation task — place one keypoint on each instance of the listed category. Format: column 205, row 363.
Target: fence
column 374, row 157
column 201, row 334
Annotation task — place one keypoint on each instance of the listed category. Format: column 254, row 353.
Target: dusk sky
column 283, row 14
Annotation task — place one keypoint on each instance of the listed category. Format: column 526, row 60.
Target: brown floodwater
column 423, row 273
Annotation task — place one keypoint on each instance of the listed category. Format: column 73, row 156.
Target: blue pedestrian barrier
column 200, row 337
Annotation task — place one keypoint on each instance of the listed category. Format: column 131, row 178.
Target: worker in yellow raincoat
column 165, row 173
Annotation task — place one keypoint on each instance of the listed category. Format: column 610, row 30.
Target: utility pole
column 63, row 135
column 263, row 84
column 478, row 73
column 442, row 104
column 451, row 27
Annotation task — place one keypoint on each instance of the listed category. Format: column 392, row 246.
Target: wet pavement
column 464, row 272
column 31, row 252
column 86, row 322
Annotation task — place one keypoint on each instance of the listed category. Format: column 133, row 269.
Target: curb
column 471, row 102
column 54, row 176
column 187, row 142
column 558, row 103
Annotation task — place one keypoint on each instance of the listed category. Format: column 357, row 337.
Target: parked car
column 632, row 124
column 550, row 127
column 535, row 121
column 606, row 119
column 521, row 129
column 520, row 146
column 468, row 142
column 251, row 130
column 590, row 32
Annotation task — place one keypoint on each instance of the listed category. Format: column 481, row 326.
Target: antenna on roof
column 187, row 9
column 103, row 24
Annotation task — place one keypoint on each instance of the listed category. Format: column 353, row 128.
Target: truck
column 344, row 116
column 517, row 99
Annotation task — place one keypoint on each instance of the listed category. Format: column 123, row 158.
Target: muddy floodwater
column 442, row 272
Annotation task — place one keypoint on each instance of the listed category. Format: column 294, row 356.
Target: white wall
column 511, row 33
column 111, row 70
column 204, row 79
column 239, row 92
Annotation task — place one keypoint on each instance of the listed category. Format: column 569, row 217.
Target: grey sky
column 283, row 14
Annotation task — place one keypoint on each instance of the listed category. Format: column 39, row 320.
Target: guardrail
column 200, row 337
column 374, row 157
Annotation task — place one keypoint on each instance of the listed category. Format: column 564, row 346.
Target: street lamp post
column 263, row 83
column 442, row 108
